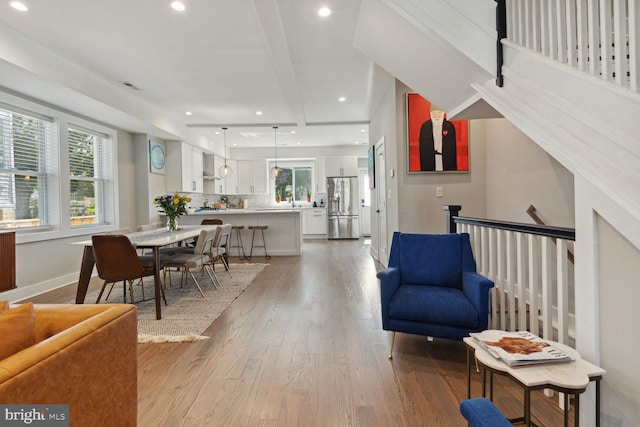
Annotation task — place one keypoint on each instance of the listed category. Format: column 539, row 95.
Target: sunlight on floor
column 367, row 241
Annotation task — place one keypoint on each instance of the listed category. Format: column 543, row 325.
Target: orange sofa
column 85, row 356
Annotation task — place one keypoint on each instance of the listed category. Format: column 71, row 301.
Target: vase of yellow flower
column 173, row 206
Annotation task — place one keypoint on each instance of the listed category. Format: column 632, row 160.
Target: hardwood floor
column 303, row 346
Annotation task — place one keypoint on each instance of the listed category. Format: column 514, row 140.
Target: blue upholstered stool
column 481, row 412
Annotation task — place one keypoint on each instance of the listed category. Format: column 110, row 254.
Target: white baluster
column 605, row 40
column 634, row 45
column 511, row 276
column 521, row 282
column 501, row 280
column 534, row 282
column 563, row 291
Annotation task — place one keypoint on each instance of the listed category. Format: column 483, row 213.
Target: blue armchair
column 431, row 287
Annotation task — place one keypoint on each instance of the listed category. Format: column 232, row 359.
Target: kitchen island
column 284, row 236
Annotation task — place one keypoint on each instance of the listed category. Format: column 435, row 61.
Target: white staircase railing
column 532, row 272
column 600, row 37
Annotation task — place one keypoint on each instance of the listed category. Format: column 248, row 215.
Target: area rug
column 187, row 315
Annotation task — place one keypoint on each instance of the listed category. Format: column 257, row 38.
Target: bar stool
column 239, row 245
column 260, row 228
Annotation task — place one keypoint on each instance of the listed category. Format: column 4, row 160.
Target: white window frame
column 58, row 212
column 291, row 164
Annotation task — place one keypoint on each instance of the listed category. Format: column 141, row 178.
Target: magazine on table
column 519, row 348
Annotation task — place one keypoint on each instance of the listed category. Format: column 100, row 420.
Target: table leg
column 491, row 386
column 86, row 268
column 469, row 373
column 527, row 407
column 597, row 402
column 577, row 408
column 484, row 382
column 566, row 410
column 156, row 280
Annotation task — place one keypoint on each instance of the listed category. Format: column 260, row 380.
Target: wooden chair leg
column 104, row 285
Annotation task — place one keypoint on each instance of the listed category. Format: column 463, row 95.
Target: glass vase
column 172, row 224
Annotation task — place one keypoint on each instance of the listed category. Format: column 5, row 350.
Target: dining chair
column 211, row 221
column 117, row 260
column 220, row 248
column 198, row 259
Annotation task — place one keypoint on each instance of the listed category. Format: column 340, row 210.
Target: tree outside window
column 293, row 183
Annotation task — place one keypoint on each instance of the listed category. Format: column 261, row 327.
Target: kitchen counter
column 284, row 236
column 246, row 211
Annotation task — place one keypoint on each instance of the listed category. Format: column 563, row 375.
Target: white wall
column 619, row 317
column 520, row 173
column 383, row 125
column 45, row 265
column 419, row 210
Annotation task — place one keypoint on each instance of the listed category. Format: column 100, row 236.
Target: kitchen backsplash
column 254, row 201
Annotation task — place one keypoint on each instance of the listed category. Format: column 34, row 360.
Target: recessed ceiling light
column 342, row 99
column 188, row 113
column 178, row 5
column 293, row 131
column 298, row 143
column 363, row 130
column 258, row 113
column 17, row 5
column 324, row 11
column 357, row 142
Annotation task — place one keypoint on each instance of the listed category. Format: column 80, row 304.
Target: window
column 294, row 182
column 89, row 167
column 57, row 172
column 28, row 163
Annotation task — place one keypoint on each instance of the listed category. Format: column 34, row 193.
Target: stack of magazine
column 519, row 348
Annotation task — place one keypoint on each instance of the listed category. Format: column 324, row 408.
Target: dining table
column 149, row 239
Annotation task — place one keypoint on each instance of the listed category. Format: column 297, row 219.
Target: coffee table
column 570, row 378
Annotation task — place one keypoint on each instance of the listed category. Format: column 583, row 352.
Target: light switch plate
column 439, row 192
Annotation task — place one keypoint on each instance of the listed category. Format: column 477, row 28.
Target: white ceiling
column 223, row 60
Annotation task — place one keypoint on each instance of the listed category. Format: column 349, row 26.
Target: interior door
column 381, row 199
column 365, row 203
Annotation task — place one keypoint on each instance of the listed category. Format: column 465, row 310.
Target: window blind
column 28, row 164
column 90, row 167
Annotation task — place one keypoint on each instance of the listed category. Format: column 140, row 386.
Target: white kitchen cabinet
column 231, row 182
column 341, row 166
column 184, row 167
column 228, row 185
column 314, row 221
column 252, row 177
column 321, row 176
column 260, row 177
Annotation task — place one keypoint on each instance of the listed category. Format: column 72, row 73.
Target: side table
column 570, row 378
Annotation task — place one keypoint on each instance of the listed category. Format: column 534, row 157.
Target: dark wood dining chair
column 117, row 260
column 211, row 221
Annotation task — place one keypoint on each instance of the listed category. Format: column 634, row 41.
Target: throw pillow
column 4, row 306
column 17, row 329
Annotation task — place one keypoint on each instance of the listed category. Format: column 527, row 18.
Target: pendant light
column 275, row 171
column 225, row 171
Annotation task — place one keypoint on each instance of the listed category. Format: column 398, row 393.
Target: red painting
column 435, row 144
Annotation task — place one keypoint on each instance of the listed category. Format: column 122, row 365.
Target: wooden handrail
column 531, row 210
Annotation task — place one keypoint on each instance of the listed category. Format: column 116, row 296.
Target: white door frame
column 382, row 254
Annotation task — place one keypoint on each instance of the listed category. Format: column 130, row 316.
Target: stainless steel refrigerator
column 342, row 207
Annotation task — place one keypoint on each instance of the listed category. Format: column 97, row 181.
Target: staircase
column 571, row 83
